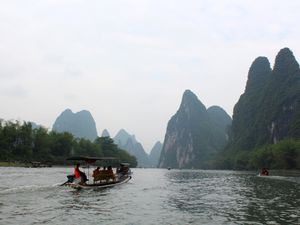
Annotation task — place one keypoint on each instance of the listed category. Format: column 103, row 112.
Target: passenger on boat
column 96, row 171
column 110, row 173
column 123, row 170
column 79, row 174
column 110, row 170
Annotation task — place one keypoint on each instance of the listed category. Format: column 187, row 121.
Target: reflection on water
column 235, row 197
column 153, row 196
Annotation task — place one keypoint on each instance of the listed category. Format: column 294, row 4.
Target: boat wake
column 27, row 188
column 282, row 178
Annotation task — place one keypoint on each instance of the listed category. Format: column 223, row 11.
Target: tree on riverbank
column 283, row 155
column 21, row 142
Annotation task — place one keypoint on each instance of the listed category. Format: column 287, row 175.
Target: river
column 152, row 196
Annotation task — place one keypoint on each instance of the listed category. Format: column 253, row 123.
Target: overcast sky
column 129, row 62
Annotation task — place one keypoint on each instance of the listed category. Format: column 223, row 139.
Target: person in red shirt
column 79, row 174
column 77, row 171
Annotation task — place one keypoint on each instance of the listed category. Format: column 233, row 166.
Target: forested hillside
column 267, row 113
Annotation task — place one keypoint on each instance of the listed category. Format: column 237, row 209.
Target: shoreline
column 12, row 164
column 280, row 172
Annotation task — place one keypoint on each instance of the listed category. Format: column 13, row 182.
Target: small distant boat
column 264, row 172
column 101, row 179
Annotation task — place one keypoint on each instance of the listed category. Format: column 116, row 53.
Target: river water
column 153, row 196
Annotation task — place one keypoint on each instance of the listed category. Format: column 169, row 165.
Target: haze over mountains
column 105, row 133
column 82, row 125
column 128, row 142
column 194, row 134
column 196, row 137
column 155, row 154
column 266, row 113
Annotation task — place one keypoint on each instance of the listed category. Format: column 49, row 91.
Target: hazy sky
column 129, row 62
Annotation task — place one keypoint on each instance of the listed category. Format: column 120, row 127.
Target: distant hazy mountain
column 194, row 135
column 80, row 124
column 155, row 154
column 128, row 142
column 105, row 133
column 35, row 125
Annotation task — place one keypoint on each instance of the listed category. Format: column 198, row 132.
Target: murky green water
column 153, row 196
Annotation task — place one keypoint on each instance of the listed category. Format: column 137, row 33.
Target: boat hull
column 98, row 185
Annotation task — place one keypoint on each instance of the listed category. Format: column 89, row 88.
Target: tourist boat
column 101, row 179
column 264, row 172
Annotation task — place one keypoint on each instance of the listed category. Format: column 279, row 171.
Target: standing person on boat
column 79, row 174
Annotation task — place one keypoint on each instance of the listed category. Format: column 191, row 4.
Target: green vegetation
column 21, row 143
column 283, row 155
column 12, row 164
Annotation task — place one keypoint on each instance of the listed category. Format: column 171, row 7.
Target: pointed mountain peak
column 258, row 73
column 123, row 136
column 219, row 116
column 216, row 109
column 188, row 94
column 123, row 132
column 105, row 133
column 67, row 111
column 260, row 65
column 189, row 99
column 157, row 144
column 285, row 62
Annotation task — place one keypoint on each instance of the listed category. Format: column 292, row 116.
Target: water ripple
column 153, row 196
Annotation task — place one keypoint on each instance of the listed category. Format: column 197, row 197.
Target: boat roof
column 89, row 159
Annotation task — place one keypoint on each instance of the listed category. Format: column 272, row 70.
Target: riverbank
column 12, row 164
column 288, row 173
column 34, row 164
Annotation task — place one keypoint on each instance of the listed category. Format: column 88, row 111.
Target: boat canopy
column 89, row 159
